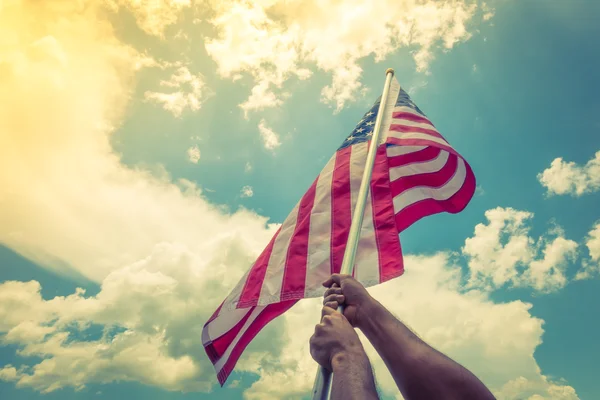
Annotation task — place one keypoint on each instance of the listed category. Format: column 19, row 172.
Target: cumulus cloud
column 193, row 154
column 150, row 313
column 260, row 98
column 502, row 252
column 591, row 266
column 154, row 303
column 152, row 16
column 269, row 137
column 69, row 204
column 187, row 92
column 66, row 200
column 247, row 191
column 275, row 41
column 566, row 177
column 539, row 389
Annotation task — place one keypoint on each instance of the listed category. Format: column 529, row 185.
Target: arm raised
column 420, row 371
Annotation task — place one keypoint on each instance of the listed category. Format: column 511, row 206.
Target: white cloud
column 152, row 16
column 247, row 191
column 151, row 315
column 274, row 41
column 269, row 137
column 502, row 252
column 540, row 389
column 417, row 86
column 66, row 201
column 260, row 98
column 248, row 167
column 193, row 154
column 69, row 204
column 154, row 302
column 188, row 92
column 488, row 12
column 593, row 242
column 547, row 274
column 591, row 267
column 569, row 178
column 8, row 373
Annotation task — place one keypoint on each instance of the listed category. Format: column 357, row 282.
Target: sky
column 149, row 150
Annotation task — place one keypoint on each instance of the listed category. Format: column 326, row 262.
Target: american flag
column 416, row 173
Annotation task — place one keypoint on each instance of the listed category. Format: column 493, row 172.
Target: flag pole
column 322, row 385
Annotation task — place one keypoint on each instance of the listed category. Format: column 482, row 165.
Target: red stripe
column 432, row 179
column 423, row 208
column 341, row 204
column 215, row 314
column 219, row 345
column 252, row 286
column 411, row 117
column 294, row 274
column 419, row 142
column 388, row 242
column 414, row 129
column 270, row 312
column 427, row 154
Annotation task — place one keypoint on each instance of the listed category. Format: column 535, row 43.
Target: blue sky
column 514, row 94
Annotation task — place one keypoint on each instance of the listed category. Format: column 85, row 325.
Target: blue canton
column 364, row 129
column 404, row 100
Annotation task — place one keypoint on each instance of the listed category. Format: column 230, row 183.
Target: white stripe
column 407, row 122
column 366, row 254
column 319, row 235
column 232, row 299
column 420, row 136
column 366, row 267
column 422, row 167
column 390, row 106
column 223, row 323
column 393, row 151
column 221, row 361
column 273, row 281
column 443, row 192
column 358, row 159
column 409, row 110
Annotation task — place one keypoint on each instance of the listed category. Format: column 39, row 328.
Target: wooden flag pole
column 322, row 386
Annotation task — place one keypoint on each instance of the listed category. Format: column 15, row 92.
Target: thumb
column 335, row 278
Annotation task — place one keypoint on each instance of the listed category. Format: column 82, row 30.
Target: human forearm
column 352, row 377
column 420, row 371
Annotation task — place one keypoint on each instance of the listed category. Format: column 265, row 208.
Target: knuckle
column 333, row 297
